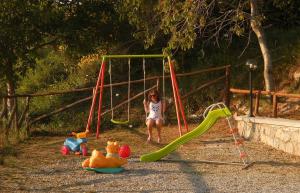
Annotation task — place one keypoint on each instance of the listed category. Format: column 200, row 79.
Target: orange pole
column 175, row 97
column 100, row 100
column 88, row 125
column 179, row 99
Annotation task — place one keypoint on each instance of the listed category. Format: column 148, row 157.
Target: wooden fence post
column 227, row 87
column 15, row 121
column 27, row 118
column 23, row 115
column 8, row 125
column 275, row 105
column 3, row 114
column 256, row 108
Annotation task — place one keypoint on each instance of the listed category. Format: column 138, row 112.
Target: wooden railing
column 257, row 94
column 25, row 121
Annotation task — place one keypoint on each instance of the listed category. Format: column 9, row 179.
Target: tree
column 259, row 32
column 183, row 23
column 26, row 26
column 20, row 34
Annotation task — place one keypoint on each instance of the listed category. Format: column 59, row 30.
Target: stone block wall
column 279, row 133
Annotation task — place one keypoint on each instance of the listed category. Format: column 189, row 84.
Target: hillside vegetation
column 58, row 46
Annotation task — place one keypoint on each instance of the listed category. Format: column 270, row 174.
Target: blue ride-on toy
column 77, row 145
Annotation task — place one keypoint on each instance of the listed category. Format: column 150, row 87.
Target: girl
column 155, row 107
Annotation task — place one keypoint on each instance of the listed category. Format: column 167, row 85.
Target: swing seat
column 119, row 122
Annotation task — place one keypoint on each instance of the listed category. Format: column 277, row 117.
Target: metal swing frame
column 100, row 83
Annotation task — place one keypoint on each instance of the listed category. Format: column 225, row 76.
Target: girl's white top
column 155, row 111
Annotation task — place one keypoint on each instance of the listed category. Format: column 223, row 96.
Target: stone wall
column 279, row 133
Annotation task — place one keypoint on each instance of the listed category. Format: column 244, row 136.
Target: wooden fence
column 24, row 120
column 257, row 95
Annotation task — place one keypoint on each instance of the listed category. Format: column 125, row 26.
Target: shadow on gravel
column 277, row 164
column 198, row 184
column 229, row 140
column 138, row 133
column 202, row 161
column 75, row 186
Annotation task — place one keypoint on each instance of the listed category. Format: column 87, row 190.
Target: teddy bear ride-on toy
column 78, row 145
column 109, row 162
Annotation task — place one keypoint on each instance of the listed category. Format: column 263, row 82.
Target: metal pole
column 178, row 97
column 100, row 98
column 88, row 125
column 175, row 97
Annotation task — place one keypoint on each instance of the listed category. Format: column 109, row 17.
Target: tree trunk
column 258, row 30
column 10, row 91
column 11, row 102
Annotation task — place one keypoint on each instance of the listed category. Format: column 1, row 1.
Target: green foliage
column 286, row 51
column 182, row 22
column 80, row 27
column 73, row 27
column 48, row 71
column 283, row 13
column 21, row 32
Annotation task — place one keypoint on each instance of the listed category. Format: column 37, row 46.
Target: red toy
column 65, row 150
column 124, row 151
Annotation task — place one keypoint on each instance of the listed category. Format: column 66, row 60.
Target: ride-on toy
column 77, row 145
column 110, row 162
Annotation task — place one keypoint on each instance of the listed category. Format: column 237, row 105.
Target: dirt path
column 39, row 167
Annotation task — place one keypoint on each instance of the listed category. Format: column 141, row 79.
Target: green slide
column 206, row 124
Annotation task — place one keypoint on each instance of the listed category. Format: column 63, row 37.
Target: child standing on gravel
column 155, row 107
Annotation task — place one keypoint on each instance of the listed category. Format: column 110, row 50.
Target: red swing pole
column 179, row 98
column 88, row 125
column 100, row 98
column 175, row 97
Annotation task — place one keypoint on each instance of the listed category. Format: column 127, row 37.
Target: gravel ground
column 40, row 168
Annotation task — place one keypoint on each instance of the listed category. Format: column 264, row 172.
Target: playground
column 37, row 166
column 192, row 157
column 150, row 96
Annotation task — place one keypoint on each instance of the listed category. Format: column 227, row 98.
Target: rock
column 289, row 147
column 296, row 75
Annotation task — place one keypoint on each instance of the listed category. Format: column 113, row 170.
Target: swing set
column 100, row 84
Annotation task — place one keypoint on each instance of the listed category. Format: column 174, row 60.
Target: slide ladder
column 238, row 140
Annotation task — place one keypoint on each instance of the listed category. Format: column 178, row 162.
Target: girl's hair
column 155, row 93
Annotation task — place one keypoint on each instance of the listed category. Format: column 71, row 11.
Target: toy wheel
column 65, row 150
column 84, row 151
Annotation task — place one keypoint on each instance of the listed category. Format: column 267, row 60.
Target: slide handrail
column 219, row 105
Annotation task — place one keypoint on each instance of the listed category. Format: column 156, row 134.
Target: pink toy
column 124, row 151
